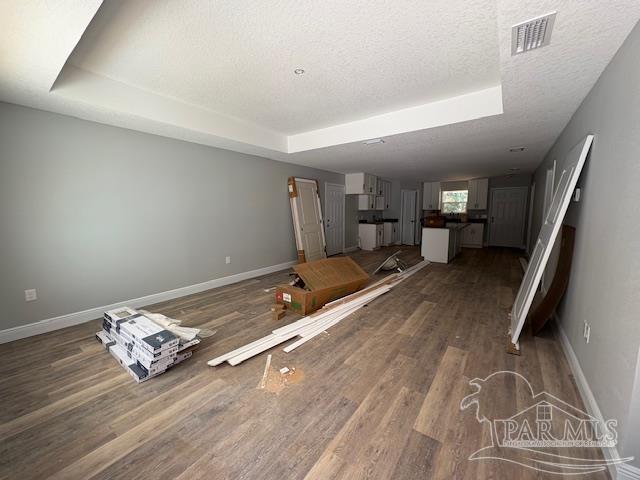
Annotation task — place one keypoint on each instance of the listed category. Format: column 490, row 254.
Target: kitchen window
column 454, row 201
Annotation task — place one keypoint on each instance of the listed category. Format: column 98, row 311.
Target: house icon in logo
column 543, row 434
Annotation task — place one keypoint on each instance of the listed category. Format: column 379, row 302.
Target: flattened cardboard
column 329, row 272
column 327, row 279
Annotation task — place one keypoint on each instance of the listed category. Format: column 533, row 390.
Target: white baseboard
column 618, row 472
column 63, row 321
column 351, row 249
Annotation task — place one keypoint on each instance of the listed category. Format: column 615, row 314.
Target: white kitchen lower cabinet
column 473, row 235
column 371, row 235
column 390, row 236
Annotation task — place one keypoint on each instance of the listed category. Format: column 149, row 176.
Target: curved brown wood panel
column 545, row 308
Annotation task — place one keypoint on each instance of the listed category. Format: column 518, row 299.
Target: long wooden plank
column 319, row 330
column 272, row 342
column 339, row 310
column 326, row 311
column 264, row 343
column 309, row 324
column 238, row 351
column 384, row 281
column 303, row 322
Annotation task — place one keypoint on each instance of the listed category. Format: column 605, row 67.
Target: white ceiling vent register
column 532, row 34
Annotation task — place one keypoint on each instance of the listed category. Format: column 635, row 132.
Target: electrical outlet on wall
column 30, row 295
column 227, row 260
column 586, row 333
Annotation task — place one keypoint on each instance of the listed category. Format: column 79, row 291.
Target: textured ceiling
column 360, row 57
column 541, row 91
column 179, row 69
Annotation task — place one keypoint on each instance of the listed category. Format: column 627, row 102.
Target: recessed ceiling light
column 373, row 141
column 517, row 149
column 298, row 71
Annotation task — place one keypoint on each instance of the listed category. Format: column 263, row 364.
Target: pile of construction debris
column 312, row 325
column 146, row 344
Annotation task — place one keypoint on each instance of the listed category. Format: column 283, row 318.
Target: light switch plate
column 30, row 295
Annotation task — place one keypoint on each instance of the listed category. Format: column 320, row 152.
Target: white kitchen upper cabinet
column 379, row 202
column 354, row 183
column 386, row 193
column 366, row 202
column 431, row 196
column 371, row 183
column 360, row 183
column 478, row 194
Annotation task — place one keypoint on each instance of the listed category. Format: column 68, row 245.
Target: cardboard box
column 324, row 281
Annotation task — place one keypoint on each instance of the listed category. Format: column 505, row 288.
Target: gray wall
column 520, row 180
column 92, row 215
column 604, row 289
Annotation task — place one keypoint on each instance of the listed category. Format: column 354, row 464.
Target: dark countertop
column 469, row 220
column 378, row 222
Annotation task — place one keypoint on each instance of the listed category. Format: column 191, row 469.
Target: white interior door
column 334, row 201
column 508, row 213
column 308, row 220
column 532, row 197
column 548, row 196
column 548, row 234
column 408, row 216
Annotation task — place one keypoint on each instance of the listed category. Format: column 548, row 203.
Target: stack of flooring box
column 143, row 348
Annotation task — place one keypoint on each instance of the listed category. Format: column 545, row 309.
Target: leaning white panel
column 548, row 234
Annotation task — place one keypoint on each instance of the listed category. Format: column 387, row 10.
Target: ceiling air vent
column 532, row 34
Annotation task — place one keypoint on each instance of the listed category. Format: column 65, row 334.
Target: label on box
column 286, row 297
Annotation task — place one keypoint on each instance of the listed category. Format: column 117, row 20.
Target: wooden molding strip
column 312, row 325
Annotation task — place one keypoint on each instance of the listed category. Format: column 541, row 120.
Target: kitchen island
column 441, row 245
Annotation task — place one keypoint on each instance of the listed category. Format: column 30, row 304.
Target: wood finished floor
column 379, row 397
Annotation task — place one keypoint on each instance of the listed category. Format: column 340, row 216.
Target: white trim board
column 628, row 472
column 63, row 321
column 617, row 472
